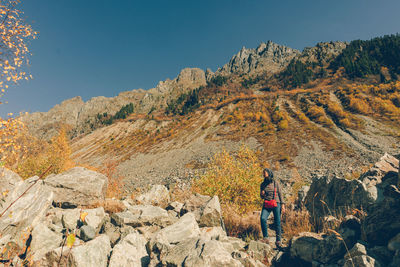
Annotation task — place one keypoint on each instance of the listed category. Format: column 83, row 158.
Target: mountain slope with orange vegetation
column 309, row 116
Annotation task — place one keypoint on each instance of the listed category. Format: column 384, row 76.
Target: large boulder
column 91, row 254
column 211, row 215
column 212, row 253
column 77, row 187
column 383, row 221
column 43, row 241
column 142, row 215
column 130, row 251
column 176, row 255
column 27, row 211
column 207, row 210
column 376, row 174
column 312, row 247
column 8, row 180
column 331, row 193
column 186, row 227
column 195, row 204
column 158, row 195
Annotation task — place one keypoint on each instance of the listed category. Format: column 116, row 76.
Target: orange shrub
column 115, row 180
column 234, row 179
column 336, row 110
column 359, row 105
column 57, row 154
column 384, row 106
column 317, row 114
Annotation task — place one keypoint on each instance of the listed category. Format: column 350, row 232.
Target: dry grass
column 295, row 222
column 110, row 206
column 246, row 226
column 115, row 180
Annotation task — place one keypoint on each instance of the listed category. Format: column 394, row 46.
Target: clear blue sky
column 102, row 47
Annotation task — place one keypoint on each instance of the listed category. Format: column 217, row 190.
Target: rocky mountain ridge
column 80, row 116
column 267, row 59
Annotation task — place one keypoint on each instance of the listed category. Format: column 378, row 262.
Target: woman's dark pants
column 277, row 220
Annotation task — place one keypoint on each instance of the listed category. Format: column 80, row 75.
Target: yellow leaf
column 70, row 240
column 83, row 216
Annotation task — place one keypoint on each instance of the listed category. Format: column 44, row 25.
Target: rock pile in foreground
column 152, row 230
column 34, row 229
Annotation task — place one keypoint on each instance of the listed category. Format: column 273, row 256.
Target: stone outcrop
column 323, row 52
column 329, row 193
column 8, row 180
column 77, row 187
column 268, row 57
column 27, row 211
column 157, row 195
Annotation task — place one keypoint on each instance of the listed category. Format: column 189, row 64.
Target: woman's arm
column 281, row 198
column 262, row 192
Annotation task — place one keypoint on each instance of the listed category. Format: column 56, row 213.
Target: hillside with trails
column 304, row 112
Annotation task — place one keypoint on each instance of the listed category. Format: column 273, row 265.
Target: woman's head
column 268, row 174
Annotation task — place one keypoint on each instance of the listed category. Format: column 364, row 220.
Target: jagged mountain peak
column 267, row 57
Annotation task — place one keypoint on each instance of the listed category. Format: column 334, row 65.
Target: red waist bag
column 269, row 204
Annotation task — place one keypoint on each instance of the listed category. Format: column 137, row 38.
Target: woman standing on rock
column 270, row 192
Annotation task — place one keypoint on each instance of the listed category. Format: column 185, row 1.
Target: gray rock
column 383, row 221
column 209, row 233
column 336, row 194
column 211, row 215
column 151, row 215
column 361, row 261
column 93, row 253
column 59, row 255
column 95, row 218
column 77, row 187
column 124, row 218
column 112, row 232
column 211, row 253
column 143, row 215
column 259, row 250
column 175, row 206
column 357, row 250
column 8, row 180
column 131, row 251
column 315, row 247
column 176, row 255
column 158, row 195
column 43, row 241
column 195, row 204
column 70, row 218
column 87, row 233
column 186, row 227
column 237, row 243
column 28, row 211
column 301, row 195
